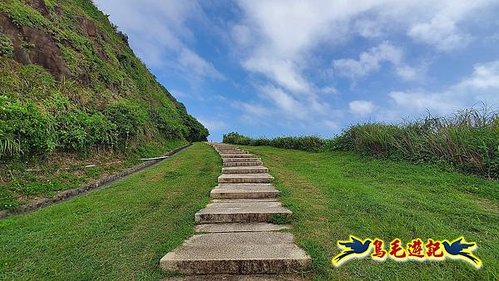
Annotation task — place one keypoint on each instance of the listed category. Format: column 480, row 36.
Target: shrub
column 236, row 138
column 307, row 143
column 195, row 130
column 128, row 118
column 24, row 129
column 6, row 46
column 468, row 141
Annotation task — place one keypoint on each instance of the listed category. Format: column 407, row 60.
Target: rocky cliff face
column 33, row 45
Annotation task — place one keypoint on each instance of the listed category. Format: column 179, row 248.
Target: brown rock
column 44, row 50
column 40, row 6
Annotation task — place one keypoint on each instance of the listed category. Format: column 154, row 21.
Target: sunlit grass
column 118, row 233
column 335, row 194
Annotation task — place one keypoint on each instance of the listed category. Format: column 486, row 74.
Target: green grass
column 21, row 182
column 118, row 233
column 336, row 194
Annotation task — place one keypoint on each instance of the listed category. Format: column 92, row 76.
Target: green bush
column 106, row 102
column 468, row 141
column 128, row 118
column 24, row 129
column 195, row 130
column 307, row 143
column 6, row 46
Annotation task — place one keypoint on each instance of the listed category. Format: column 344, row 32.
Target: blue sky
column 290, row 67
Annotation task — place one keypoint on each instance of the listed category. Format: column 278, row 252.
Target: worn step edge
column 245, row 170
column 221, row 193
column 242, row 164
column 242, row 217
column 240, row 227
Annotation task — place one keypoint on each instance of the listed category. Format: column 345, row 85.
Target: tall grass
column 307, row 143
column 467, row 141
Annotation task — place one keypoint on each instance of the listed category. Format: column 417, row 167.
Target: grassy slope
column 118, row 233
column 336, row 194
column 110, row 111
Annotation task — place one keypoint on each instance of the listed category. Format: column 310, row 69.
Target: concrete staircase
column 234, row 233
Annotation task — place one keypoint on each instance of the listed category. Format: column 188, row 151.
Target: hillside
column 71, row 88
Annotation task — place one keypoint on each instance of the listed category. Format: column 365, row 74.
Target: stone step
column 243, row 164
column 245, row 170
column 240, row 155
column 245, row 178
column 241, row 212
column 251, row 159
column 239, row 277
column 244, row 191
column 244, row 200
column 229, row 151
column 237, row 253
column 240, row 227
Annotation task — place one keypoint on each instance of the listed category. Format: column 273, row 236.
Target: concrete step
column 234, row 277
column 245, row 178
column 231, row 151
column 245, row 170
column 242, row 212
column 243, row 164
column 240, row 227
column 237, row 253
column 244, row 200
column 240, row 155
column 251, row 159
column 244, row 191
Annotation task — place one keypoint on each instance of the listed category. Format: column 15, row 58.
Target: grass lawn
column 118, row 233
column 337, row 194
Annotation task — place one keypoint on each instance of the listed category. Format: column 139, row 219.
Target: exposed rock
column 40, row 6
column 45, row 52
column 88, row 26
column 43, row 49
column 91, row 30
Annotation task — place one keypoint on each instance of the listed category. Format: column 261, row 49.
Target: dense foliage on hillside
column 69, row 82
column 467, row 141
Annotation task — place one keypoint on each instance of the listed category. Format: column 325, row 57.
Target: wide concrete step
column 237, row 253
column 240, row 227
column 240, row 277
column 245, row 170
column 243, row 164
column 245, row 178
column 244, row 200
column 244, row 191
column 251, row 159
column 240, row 155
column 231, row 151
column 242, row 212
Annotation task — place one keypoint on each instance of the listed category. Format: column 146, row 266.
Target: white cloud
column 284, row 102
column 369, row 61
column 361, row 107
column 372, row 61
column 410, row 73
column 284, row 72
column 440, row 32
column 485, row 76
column 159, row 33
column 193, row 63
column 481, row 87
column 214, row 125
